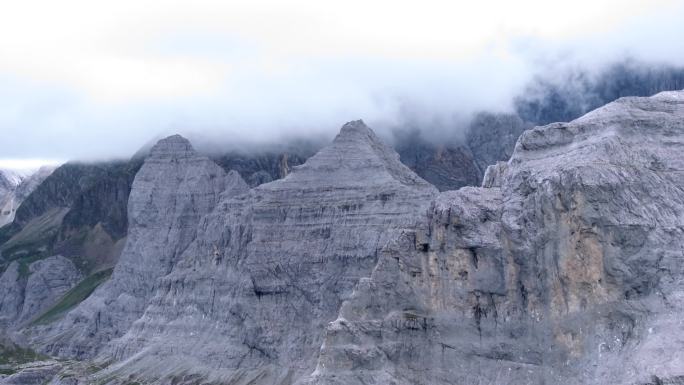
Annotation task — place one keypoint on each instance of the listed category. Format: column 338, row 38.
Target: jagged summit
column 353, row 270
column 355, row 127
column 290, row 250
column 356, row 157
column 173, row 146
column 172, row 191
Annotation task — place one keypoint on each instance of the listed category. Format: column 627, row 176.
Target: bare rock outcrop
column 172, row 191
column 250, row 297
column 15, row 187
column 12, row 286
column 567, row 270
column 564, row 268
column 29, row 289
column 48, row 280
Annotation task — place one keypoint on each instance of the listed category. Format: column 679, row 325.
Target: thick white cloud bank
column 94, row 80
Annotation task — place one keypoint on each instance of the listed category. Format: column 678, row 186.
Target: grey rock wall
column 569, row 272
column 174, row 188
column 31, row 289
column 12, row 286
column 566, row 267
column 270, row 268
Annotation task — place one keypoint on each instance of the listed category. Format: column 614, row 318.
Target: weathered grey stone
column 565, row 268
column 49, row 279
column 32, row 289
column 172, row 191
column 12, row 287
column 270, row 268
column 570, row 272
column 494, row 174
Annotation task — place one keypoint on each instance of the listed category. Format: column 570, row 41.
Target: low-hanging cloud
column 91, row 83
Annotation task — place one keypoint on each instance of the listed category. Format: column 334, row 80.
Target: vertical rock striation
column 566, row 267
column 174, row 188
column 250, row 297
column 29, row 289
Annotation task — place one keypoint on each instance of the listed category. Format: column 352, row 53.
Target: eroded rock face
column 15, row 188
column 569, row 272
column 565, row 268
column 78, row 211
column 48, row 280
column 31, row 289
column 174, row 188
column 12, row 289
column 250, row 297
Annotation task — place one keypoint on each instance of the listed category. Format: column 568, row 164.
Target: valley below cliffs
column 565, row 267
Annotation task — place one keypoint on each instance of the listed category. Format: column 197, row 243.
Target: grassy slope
column 74, row 296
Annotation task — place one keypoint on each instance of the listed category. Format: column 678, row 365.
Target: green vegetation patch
column 74, row 296
column 7, row 372
column 11, row 354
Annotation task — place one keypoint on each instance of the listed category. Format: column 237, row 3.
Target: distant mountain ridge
column 16, row 186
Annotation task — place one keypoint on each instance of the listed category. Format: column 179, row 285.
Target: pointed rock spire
column 356, row 157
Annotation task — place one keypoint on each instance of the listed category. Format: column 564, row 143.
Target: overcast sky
column 94, row 80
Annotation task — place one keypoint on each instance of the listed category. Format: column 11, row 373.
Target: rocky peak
column 172, row 191
column 356, row 157
column 273, row 264
column 356, row 138
column 355, row 128
column 565, row 268
column 174, row 146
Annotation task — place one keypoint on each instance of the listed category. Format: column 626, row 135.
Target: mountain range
column 521, row 254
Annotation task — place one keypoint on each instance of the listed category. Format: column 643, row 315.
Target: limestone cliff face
column 270, row 268
column 30, row 289
column 566, row 268
column 12, row 286
column 48, row 280
column 172, row 191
